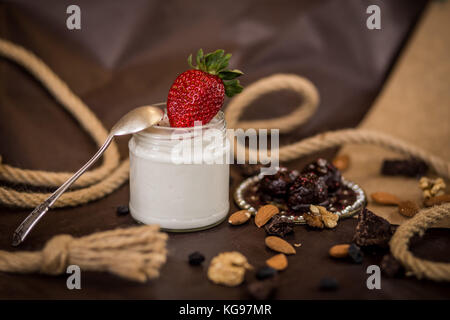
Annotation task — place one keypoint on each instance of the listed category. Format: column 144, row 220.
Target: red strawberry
column 198, row 94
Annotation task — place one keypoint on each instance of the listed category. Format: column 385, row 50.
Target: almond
column 339, row 251
column 264, row 214
column 385, row 198
column 438, row 200
column 278, row 262
column 408, row 208
column 341, row 162
column 239, row 217
column 279, row 245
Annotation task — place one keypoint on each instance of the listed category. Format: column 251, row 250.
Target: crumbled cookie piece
column 372, row 230
column 228, row 268
column 399, row 167
column 278, row 226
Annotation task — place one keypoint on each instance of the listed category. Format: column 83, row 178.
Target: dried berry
column 122, row 210
column 265, row 272
column 196, row 258
column 307, row 189
column 330, row 174
column 262, row 290
column 390, row 266
column 328, row 284
column 372, row 230
column 355, row 253
column 277, row 185
column 399, row 167
column 278, row 226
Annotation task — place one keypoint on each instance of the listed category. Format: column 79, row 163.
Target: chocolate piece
column 399, row 167
column 390, row 266
column 265, row 272
column 278, row 226
column 122, row 210
column 328, row 284
column 372, row 230
column 196, row 258
column 262, row 290
column 307, row 189
column 355, row 253
column 330, row 174
column 277, row 185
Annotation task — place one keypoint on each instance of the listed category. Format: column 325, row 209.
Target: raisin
column 122, row 210
column 355, row 253
column 196, row 258
column 265, row 272
column 328, row 284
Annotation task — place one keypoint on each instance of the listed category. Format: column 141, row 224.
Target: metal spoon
column 134, row 121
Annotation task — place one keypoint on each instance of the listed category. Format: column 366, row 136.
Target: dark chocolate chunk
column 372, row 230
column 399, row 167
column 355, row 253
column 328, row 284
column 262, row 290
column 327, row 171
column 122, row 210
column 265, row 272
column 278, row 226
column 390, row 266
column 196, row 258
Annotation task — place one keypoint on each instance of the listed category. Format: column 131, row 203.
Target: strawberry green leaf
column 230, row 74
column 232, row 87
column 190, row 62
column 224, row 62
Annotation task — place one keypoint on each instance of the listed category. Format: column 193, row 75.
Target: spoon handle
column 31, row 220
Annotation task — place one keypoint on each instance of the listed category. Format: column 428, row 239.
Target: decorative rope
column 135, row 253
column 399, row 244
column 104, row 180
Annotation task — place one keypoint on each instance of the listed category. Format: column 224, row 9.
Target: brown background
column 127, row 55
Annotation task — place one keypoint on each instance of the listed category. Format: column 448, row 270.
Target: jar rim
column 218, row 122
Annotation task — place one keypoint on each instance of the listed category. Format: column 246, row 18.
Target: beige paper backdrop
column 415, row 106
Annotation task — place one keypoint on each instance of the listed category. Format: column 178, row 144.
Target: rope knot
column 55, row 255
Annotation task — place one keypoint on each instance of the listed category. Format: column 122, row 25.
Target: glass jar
column 179, row 177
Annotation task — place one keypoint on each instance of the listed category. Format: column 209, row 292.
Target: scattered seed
column 408, row 208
